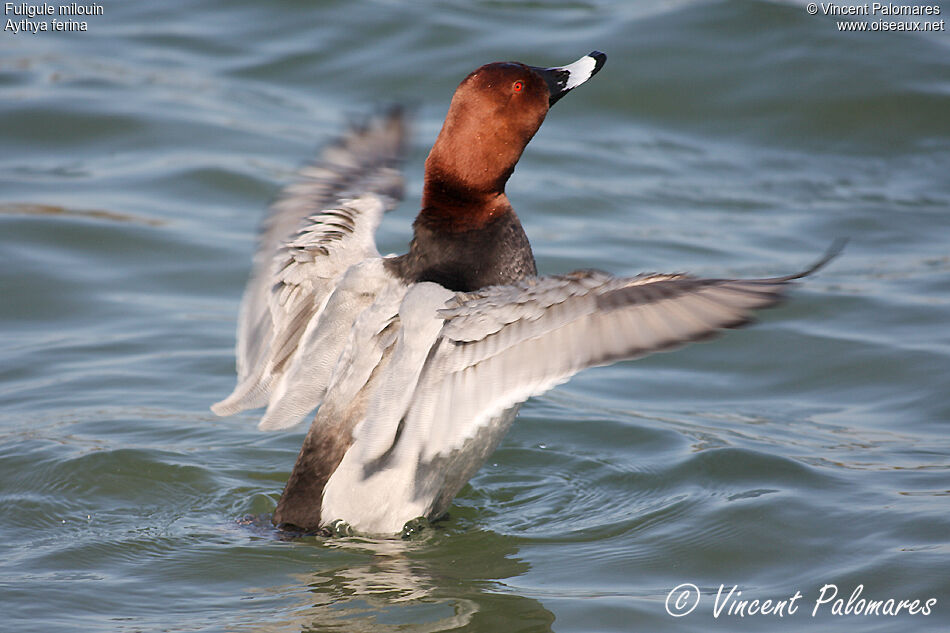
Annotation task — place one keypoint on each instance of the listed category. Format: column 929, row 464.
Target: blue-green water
column 722, row 138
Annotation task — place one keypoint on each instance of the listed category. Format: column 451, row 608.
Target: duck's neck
column 465, row 238
column 466, row 235
column 451, row 205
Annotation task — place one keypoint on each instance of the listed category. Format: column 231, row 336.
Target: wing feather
column 419, row 329
column 360, row 308
column 502, row 345
column 321, row 225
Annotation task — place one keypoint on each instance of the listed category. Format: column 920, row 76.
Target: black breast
column 495, row 253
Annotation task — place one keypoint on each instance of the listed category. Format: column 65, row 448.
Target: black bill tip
column 563, row 79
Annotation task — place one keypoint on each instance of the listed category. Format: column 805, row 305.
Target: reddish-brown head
column 495, row 111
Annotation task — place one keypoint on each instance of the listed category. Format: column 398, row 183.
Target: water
column 722, row 138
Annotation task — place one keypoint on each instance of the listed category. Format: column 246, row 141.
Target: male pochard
column 418, row 363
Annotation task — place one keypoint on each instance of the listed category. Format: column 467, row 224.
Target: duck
column 416, row 364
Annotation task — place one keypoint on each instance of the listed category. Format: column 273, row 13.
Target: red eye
column 517, row 86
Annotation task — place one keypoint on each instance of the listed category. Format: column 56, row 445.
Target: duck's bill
column 563, row 79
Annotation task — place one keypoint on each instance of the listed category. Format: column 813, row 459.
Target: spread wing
column 501, row 345
column 321, row 225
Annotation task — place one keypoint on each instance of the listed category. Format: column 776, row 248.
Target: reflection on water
column 427, row 584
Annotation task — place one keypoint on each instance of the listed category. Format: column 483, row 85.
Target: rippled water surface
column 722, row 138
